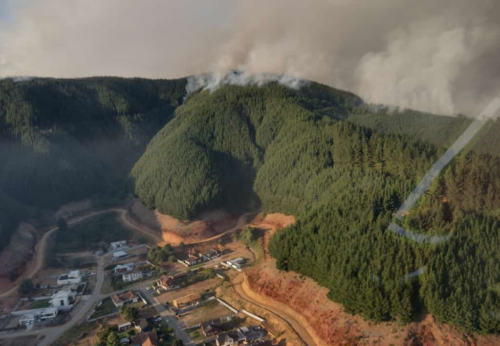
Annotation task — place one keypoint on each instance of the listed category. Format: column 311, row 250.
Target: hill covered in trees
column 340, row 166
column 62, row 140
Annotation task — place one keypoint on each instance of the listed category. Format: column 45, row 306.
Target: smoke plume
column 439, row 56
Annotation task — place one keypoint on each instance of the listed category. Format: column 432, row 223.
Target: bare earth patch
column 206, row 312
column 199, row 287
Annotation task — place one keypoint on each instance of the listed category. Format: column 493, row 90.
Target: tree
column 178, row 342
column 113, row 339
column 129, row 313
column 26, row 287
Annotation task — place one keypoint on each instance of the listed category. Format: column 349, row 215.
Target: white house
column 73, row 277
column 119, row 254
column 124, row 268
column 42, row 315
column 118, row 245
column 63, row 299
column 134, row 276
column 234, row 263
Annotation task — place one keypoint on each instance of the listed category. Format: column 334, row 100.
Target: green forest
column 340, row 166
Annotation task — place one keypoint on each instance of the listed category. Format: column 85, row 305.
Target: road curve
column 294, row 324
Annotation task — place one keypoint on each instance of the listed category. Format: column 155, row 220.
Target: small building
column 229, row 339
column 119, row 254
column 124, row 299
column 125, row 326
column 136, row 275
column 252, row 334
column 234, row 263
column 123, row 268
column 210, row 328
column 190, row 300
column 42, row 315
column 211, row 255
column 73, row 277
column 143, row 326
column 191, row 261
column 146, row 339
column 172, row 281
column 118, row 245
column 63, row 299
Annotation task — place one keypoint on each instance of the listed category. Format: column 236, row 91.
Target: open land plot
column 208, row 311
column 107, row 307
column 91, row 234
column 199, row 287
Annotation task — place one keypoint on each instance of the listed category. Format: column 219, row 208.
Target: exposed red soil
column 173, row 231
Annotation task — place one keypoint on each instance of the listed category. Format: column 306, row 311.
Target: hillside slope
column 62, row 140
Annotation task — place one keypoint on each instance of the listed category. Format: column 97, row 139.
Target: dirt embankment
column 18, row 253
column 326, row 321
column 173, row 231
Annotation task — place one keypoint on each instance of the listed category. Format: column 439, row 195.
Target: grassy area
column 250, row 237
column 77, row 332
column 88, row 234
column 196, row 335
column 40, row 304
column 107, row 307
column 206, row 312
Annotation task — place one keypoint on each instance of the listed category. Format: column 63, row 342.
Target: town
column 131, row 293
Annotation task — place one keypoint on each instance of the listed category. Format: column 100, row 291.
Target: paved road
column 52, row 333
column 169, row 316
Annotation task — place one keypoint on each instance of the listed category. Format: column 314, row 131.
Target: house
column 124, row 299
column 42, row 315
column 234, row 263
column 124, row 268
column 187, row 301
column 191, row 261
column 228, row 339
column 146, row 339
column 118, row 245
column 252, row 334
column 172, row 281
column 124, row 326
column 134, row 276
column 63, row 299
column 73, row 277
column 119, row 254
column 211, row 255
column 143, row 326
column 210, row 328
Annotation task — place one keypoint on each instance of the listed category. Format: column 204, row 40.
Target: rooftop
column 119, row 298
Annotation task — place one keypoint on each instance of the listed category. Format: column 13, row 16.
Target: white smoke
column 213, row 81
column 432, row 55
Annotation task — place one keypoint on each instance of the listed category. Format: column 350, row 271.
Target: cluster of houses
column 146, row 329
column 61, row 300
column 255, row 335
column 131, row 272
column 234, row 263
column 197, row 258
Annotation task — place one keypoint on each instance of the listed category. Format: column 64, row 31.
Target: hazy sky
column 434, row 55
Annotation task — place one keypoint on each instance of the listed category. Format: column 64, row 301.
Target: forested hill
column 62, row 140
column 342, row 168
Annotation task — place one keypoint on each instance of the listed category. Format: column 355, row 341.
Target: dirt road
column 290, row 320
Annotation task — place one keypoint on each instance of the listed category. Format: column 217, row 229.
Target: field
column 107, row 307
column 89, row 234
column 206, row 312
column 199, row 287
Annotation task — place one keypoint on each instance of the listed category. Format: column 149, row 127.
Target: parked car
column 149, row 288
